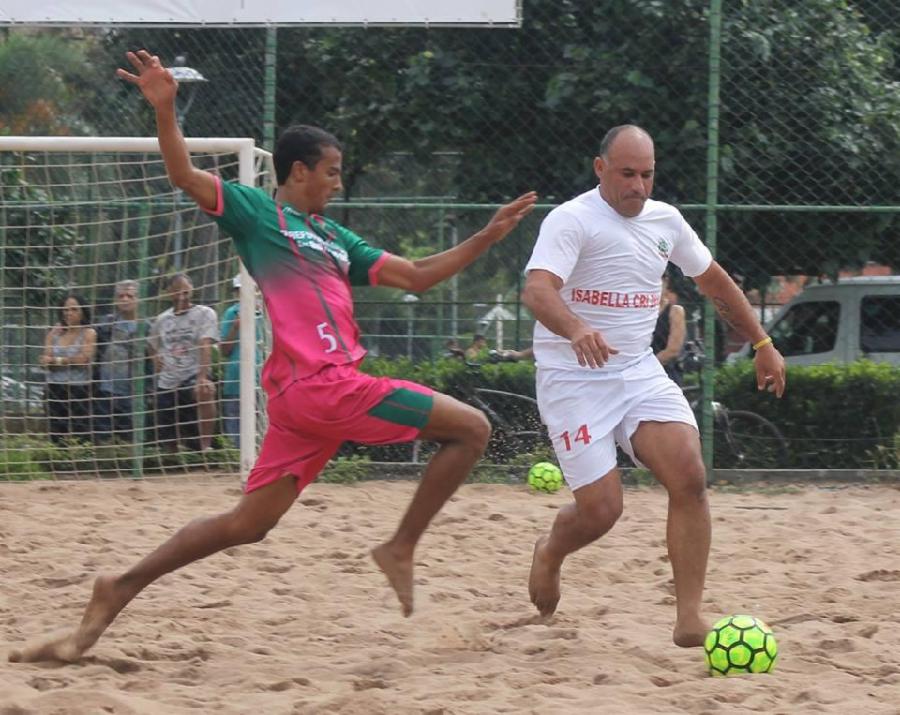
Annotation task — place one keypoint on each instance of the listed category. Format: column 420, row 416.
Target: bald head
column 628, row 132
column 625, row 168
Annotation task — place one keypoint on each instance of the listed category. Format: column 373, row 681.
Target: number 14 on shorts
column 581, row 435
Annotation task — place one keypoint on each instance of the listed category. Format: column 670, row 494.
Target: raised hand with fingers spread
column 155, row 81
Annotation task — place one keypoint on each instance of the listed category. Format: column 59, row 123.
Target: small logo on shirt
column 663, row 248
column 306, row 239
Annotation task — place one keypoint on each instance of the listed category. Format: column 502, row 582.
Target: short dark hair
column 85, row 308
column 300, row 142
column 611, row 135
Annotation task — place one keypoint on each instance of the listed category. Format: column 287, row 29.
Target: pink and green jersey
column 305, row 266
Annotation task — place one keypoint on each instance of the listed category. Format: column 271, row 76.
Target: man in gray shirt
column 119, row 364
column 181, row 342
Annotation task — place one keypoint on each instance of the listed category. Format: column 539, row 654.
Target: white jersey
column 611, row 267
column 176, row 337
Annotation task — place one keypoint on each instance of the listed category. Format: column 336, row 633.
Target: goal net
column 96, row 246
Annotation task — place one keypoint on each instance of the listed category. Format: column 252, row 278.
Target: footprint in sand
column 442, row 596
column 340, row 555
column 370, row 684
column 282, row 685
column 879, row 575
column 60, row 581
column 43, row 683
column 275, row 568
column 868, row 631
column 661, row 682
column 175, row 655
column 316, row 504
column 838, row 645
column 564, row 634
column 122, row 666
column 844, row 619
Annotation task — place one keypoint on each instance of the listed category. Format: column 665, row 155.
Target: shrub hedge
column 833, row 416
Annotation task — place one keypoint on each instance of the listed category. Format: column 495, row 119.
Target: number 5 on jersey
column 329, row 339
column 581, row 435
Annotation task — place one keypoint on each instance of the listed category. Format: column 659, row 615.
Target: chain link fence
column 777, row 127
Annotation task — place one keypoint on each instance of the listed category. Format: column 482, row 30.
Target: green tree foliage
column 810, row 116
column 810, row 113
column 229, row 103
column 40, row 81
column 37, row 245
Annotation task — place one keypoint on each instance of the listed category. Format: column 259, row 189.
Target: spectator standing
column 118, row 360
column 68, row 353
column 181, row 342
column 230, row 349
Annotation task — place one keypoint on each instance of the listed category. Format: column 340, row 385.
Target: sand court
column 303, row 622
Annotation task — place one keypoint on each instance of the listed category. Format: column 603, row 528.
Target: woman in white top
column 68, row 353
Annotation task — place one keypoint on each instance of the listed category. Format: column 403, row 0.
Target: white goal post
column 24, row 154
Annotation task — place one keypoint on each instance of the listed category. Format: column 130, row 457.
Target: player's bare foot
column 543, row 582
column 399, row 572
column 690, row 631
column 106, row 601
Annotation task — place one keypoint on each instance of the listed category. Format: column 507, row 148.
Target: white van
column 852, row 319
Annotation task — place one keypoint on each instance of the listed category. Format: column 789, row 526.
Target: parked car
column 852, row 319
column 21, row 398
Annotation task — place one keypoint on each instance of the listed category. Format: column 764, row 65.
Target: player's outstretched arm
column 159, row 88
column 736, row 310
column 422, row 274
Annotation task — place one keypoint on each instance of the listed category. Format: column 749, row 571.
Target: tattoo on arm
column 724, row 310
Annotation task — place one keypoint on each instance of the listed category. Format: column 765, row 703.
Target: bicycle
column 516, row 426
column 741, row 439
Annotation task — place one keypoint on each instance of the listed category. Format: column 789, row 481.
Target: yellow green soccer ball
column 545, row 477
column 740, row 644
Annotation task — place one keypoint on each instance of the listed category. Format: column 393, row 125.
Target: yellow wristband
column 762, row 343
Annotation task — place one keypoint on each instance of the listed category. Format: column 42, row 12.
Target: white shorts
column 588, row 411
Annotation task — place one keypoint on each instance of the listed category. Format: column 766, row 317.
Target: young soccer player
column 304, row 265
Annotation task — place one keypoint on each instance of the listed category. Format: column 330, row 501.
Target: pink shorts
column 312, row 418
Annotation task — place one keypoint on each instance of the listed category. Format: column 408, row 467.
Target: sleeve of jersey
column 237, row 208
column 690, row 254
column 227, row 320
column 365, row 260
column 558, row 245
column 208, row 327
column 153, row 335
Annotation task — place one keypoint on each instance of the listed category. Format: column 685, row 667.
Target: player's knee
column 690, row 482
column 600, row 516
column 245, row 530
column 478, row 430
